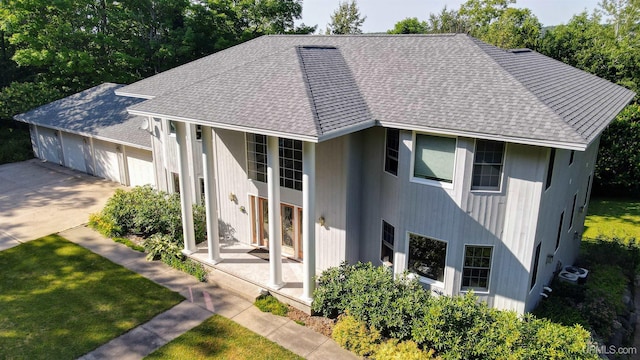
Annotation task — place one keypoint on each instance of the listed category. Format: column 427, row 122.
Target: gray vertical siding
column 567, row 180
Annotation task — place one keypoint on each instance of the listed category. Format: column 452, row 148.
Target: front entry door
column 291, row 220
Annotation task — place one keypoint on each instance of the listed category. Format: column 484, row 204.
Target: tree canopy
column 346, row 19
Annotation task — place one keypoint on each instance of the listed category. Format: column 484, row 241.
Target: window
column 198, row 132
column 573, row 154
column 434, row 158
column 559, row 230
column 202, row 190
column 391, row 153
column 290, row 160
column 291, row 163
column 487, row 165
column 476, row 268
column 257, row 157
column 586, row 193
column 172, row 128
column 388, row 236
column 552, row 158
column 427, row 257
column 176, row 182
column 573, row 210
column 534, row 273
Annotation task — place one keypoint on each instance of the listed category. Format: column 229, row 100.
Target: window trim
column 425, row 280
column 384, row 165
column 169, row 132
column 477, row 290
column 383, row 243
column 246, row 155
column 419, row 180
column 473, row 162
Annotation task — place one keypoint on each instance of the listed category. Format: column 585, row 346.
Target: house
column 467, row 165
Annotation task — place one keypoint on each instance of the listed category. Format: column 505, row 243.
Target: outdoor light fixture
column 321, row 220
column 233, row 198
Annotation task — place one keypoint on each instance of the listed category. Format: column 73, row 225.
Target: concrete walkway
column 202, row 300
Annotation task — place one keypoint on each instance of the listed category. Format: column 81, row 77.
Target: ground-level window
column 477, row 267
column 559, row 231
column 487, row 165
column 573, row 210
column 176, row 182
column 427, row 257
column 434, row 158
column 391, row 152
column 257, row 157
column 534, row 271
column 388, row 238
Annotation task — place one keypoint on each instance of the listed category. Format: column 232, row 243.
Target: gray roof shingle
column 314, row 85
column 95, row 112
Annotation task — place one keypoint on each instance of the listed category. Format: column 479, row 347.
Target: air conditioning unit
column 569, row 273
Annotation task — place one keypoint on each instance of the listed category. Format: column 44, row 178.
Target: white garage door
column 106, row 159
column 49, row 145
column 140, row 167
column 73, row 150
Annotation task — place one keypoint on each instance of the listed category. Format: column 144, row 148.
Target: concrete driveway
column 38, row 199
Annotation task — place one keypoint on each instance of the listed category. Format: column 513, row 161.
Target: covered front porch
column 270, row 271
column 251, row 264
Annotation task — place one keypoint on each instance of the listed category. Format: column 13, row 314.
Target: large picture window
column 427, row 257
column 290, row 160
column 391, row 152
column 476, row 269
column 434, row 158
column 487, row 165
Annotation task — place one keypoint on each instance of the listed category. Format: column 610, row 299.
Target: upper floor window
column 291, row 163
column 290, row 160
column 572, row 156
column 487, row 165
column 552, row 158
column 388, row 237
column 172, row 128
column 391, row 152
column 434, row 158
column 476, row 267
column 559, row 237
column 198, row 132
column 427, row 258
column 573, row 210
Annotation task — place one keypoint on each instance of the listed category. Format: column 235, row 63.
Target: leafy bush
column 405, row 350
column 186, row 265
column 268, row 303
column 160, row 246
column 105, row 225
column 354, row 335
column 455, row 327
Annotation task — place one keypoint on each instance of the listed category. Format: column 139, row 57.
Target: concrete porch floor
column 238, row 262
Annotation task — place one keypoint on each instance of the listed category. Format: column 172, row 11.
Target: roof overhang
column 137, row 96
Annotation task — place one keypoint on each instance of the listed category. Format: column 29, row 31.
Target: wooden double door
column 291, row 222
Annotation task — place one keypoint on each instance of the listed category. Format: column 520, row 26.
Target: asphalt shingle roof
column 95, row 112
column 315, row 85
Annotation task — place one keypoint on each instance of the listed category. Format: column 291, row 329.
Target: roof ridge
column 481, row 45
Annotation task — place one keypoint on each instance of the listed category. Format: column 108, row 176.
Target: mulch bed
column 319, row 324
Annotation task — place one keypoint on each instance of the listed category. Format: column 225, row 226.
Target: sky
column 383, row 14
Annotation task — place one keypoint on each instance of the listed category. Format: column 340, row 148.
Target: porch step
column 246, row 288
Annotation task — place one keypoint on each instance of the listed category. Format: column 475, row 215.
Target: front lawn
column 60, row 301
column 613, row 218
column 220, row 338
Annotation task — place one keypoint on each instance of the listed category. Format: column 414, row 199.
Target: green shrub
column 543, row 339
column 186, row 265
column 405, row 350
column 354, row 335
column 104, row 224
column 268, row 303
column 162, row 246
column 562, row 310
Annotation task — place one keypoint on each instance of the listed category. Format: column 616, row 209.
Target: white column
column 308, row 219
column 210, row 201
column 275, row 225
column 186, row 202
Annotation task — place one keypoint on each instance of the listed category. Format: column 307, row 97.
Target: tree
column 410, row 26
column 515, row 28
column 447, row 21
column 346, row 19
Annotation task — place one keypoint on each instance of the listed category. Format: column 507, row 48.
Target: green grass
column 60, row 301
column 220, row 338
column 15, row 143
column 268, row 303
column 613, row 218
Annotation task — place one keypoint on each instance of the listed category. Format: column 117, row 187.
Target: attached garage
column 92, row 132
column 140, row 167
column 73, row 150
column 49, row 145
